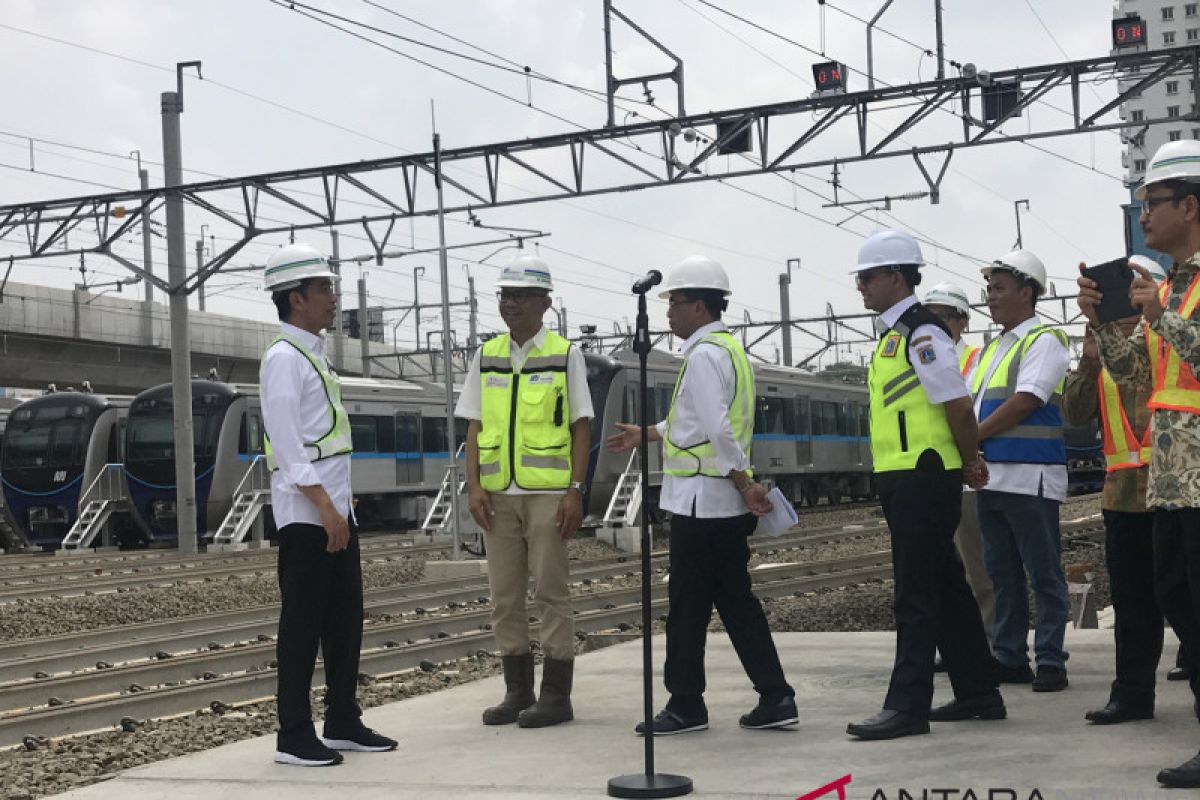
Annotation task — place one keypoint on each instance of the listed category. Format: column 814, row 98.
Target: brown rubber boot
column 554, row 706
column 518, row 695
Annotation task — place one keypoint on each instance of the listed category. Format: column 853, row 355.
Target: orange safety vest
column 968, row 358
column 1121, row 447
column 1175, row 383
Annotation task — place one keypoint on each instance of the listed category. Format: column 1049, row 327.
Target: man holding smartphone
column 1164, row 353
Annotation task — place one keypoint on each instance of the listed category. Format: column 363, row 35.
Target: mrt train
column 400, row 455
column 811, row 436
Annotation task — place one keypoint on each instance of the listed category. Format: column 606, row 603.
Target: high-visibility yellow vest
column 337, row 441
column 700, row 458
column 1037, row 439
column 1122, row 450
column 1175, row 384
column 526, row 416
column 967, row 359
column 904, row 424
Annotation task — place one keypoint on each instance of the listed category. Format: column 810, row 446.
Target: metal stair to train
column 437, row 521
column 251, row 496
column 105, row 495
column 625, row 505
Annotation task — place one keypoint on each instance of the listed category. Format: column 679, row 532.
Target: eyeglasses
column 678, row 301
column 1150, row 203
column 868, row 275
column 518, row 296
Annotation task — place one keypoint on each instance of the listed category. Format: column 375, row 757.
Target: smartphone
column 1112, row 279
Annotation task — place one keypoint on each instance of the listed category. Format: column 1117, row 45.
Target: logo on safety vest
column 540, row 377
column 891, row 346
column 496, row 382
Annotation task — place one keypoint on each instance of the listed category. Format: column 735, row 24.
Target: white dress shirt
column 1044, row 365
column 295, row 410
column 470, row 398
column 702, row 413
column 932, row 356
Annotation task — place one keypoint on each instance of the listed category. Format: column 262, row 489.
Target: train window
column 26, row 448
column 847, row 423
column 364, row 434
column 825, row 418
column 387, row 434
column 150, row 439
column 206, row 427
column 769, row 415
column 864, row 421
column 63, row 441
column 801, row 419
column 408, row 433
column 433, row 435
column 254, row 432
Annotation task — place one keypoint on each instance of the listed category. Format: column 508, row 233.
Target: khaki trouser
column 968, row 540
column 524, row 542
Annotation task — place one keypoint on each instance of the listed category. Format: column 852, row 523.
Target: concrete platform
column 446, row 753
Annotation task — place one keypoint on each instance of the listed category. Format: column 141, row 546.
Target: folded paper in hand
column 782, row 516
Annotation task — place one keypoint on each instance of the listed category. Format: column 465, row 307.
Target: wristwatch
column 580, row 486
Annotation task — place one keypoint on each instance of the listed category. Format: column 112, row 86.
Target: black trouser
column 321, row 605
column 935, row 609
column 708, row 567
column 1177, row 577
column 1129, row 554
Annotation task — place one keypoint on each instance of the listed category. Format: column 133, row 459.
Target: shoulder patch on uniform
column 927, row 354
column 891, row 346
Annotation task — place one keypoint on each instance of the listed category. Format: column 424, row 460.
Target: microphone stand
column 647, row 783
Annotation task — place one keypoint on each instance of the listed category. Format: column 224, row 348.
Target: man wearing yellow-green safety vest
column 948, row 302
column 709, row 489
column 1163, row 353
column 308, row 448
column 526, row 397
column 923, row 448
column 1018, row 385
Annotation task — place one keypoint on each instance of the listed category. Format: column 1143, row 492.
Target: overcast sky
column 284, row 91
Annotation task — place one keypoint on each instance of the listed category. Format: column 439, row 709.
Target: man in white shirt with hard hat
column 1018, row 385
column 709, row 489
column 526, row 397
column 948, row 302
column 923, row 448
column 308, row 448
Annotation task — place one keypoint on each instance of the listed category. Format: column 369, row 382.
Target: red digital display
column 1128, row 32
column 829, row 75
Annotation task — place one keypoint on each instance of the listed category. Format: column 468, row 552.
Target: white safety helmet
column 949, row 294
column 526, row 271
column 696, row 272
column 888, row 248
column 1023, row 264
column 293, row 263
column 1155, row 268
column 1174, row 161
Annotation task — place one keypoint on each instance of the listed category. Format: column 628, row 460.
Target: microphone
column 653, row 278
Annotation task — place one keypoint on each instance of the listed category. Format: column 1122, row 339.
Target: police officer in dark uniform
column 924, row 444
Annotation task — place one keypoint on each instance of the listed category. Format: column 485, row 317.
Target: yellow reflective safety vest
column 700, row 458
column 1122, row 450
column 526, row 416
column 904, row 424
column 1175, row 384
column 1037, row 439
column 967, row 359
column 337, row 440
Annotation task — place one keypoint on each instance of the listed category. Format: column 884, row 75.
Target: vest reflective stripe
column 904, row 424
column 1175, row 384
column 967, row 359
column 1038, row 439
column 526, row 416
column 700, row 458
column 337, row 441
column 1121, row 447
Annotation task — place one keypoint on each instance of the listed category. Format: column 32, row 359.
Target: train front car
column 54, row 447
column 150, row 452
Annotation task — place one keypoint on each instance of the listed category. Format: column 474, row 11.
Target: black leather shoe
column 777, row 714
column 1185, row 776
column 1018, row 674
column 981, row 706
column 668, row 723
column 1050, row 679
column 1119, row 711
column 888, row 724
column 1179, row 674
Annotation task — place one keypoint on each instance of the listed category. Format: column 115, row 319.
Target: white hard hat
column 293, row 263
column 1021, row 263
column 696, row 272
column 888, row 248
column 526, row 271
column 1174, row 161
column 949, row 294
column 1155, row 268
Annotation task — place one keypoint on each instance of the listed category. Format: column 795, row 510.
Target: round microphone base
column 643, row 785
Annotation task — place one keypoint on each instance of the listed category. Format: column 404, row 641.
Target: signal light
column 829, row 76
column 1128, row 32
